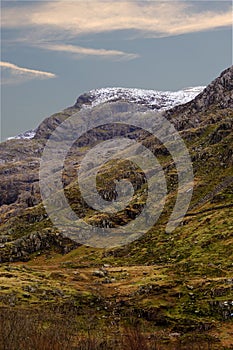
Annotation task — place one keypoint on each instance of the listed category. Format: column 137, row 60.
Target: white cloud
column 50, row 25
column 14, row 74
column 155, row 17
column 80, row 51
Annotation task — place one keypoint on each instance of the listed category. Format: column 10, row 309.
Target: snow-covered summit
column 159, row 100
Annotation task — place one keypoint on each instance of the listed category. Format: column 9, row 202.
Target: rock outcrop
column 219, row 94
column 42, row 241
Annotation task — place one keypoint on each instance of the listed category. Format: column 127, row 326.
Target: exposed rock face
column 83, row 99
column 49, row 124
column 219, row 92
column 21, row 248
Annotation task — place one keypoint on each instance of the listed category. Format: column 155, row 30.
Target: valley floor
column 109, row 306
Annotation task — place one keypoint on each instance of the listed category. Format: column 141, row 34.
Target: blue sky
column 54, row 51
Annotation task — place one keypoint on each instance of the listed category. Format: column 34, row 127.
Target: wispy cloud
column 14, row 74
column 79, row 51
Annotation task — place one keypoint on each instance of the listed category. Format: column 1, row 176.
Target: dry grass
column 21, row 329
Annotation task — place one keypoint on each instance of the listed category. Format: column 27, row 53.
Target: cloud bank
column 57, row 25
column 150, row 17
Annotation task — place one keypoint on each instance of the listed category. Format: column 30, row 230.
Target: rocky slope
column 204, row 121
column 190, row 288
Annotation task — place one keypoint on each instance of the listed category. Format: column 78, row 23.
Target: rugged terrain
column 175, row 287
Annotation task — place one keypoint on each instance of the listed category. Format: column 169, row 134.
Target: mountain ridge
column 153, row 99
column 193, row 99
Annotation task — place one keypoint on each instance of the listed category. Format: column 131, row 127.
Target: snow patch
column 27, row 135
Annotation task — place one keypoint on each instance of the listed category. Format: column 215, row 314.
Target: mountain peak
column 152, row 99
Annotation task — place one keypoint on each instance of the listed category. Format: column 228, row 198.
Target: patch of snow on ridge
column 159, row 100
column 26, row 135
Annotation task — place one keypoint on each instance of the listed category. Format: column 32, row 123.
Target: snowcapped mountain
column 153, row 99
column 159, row 100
